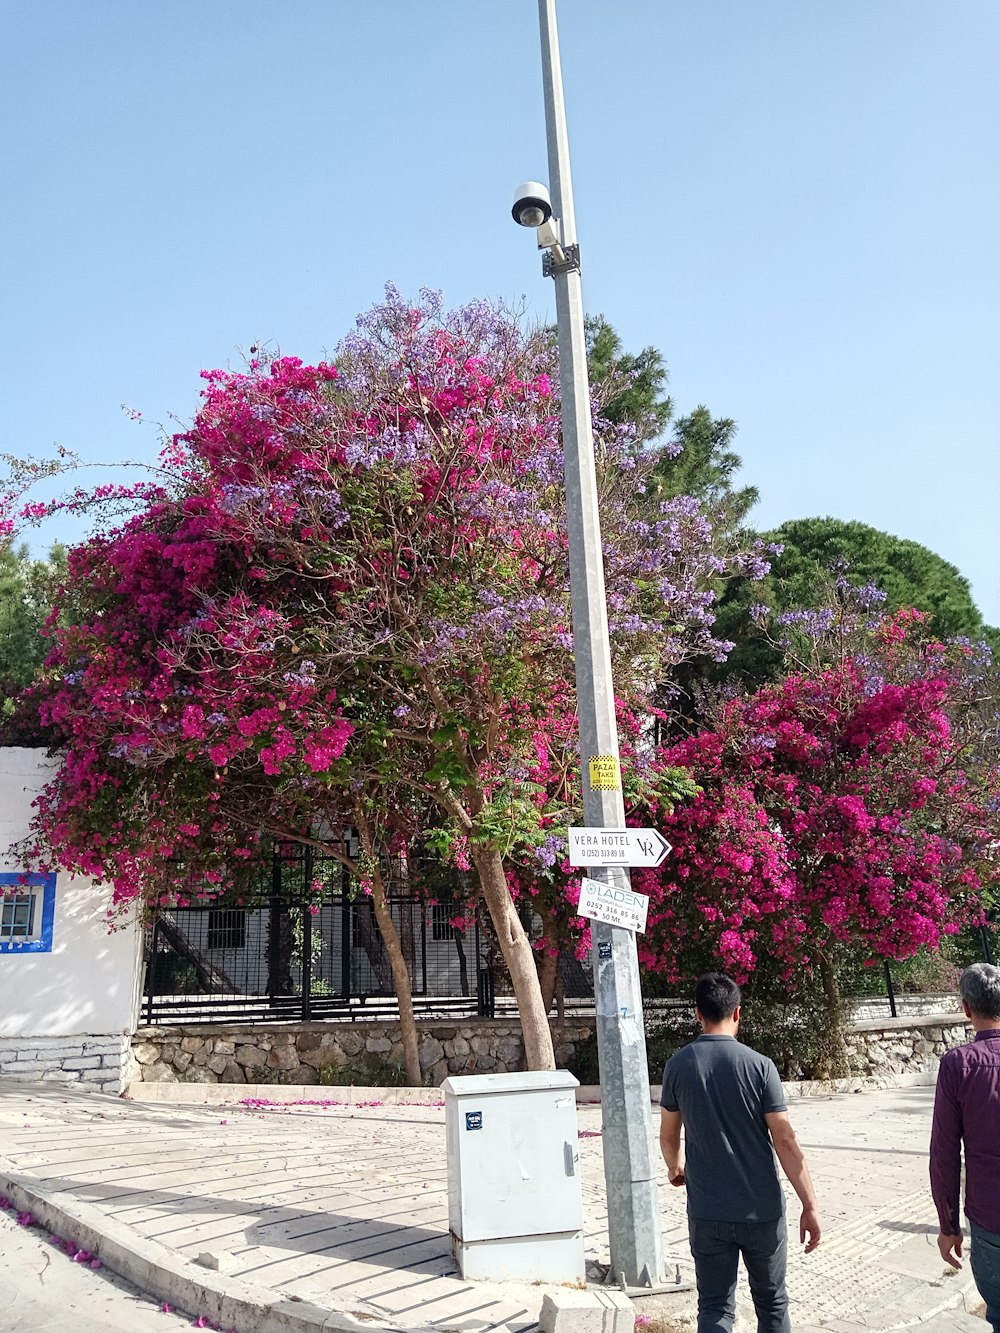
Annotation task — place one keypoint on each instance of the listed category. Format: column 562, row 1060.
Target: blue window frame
column 27, row 911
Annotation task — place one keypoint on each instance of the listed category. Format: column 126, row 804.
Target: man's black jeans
column 717, row 1247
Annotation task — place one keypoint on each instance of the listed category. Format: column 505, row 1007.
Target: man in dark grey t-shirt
column 730, row 1102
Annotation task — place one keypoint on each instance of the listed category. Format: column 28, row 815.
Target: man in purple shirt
column 967, row 1110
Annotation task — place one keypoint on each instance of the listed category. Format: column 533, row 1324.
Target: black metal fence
column 298, row 955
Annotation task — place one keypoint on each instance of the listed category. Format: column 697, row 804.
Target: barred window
column 17, row 916
column 227, row 928
column 441, row 927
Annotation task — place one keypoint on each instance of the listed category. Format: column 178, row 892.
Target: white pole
column 630, row 1157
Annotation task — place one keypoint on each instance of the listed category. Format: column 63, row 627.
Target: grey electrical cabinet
column 514, row 1203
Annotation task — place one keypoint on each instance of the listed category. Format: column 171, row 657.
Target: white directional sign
column 616, row 847
column 616, row 907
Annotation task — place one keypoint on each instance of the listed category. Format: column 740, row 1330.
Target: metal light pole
column 630, row 1159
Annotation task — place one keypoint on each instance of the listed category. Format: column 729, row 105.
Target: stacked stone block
column 104, row 1063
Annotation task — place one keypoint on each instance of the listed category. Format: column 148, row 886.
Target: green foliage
column 784, row 1021
column 706, row 467
column 662, row 1040
column 816, row 552
column 509, row 819
column 794, row 1032
column 583, row 1063
column 264, row 1074
column 366, row 1071
column 174, row 975
column 908, row 573
column 795, row 1022
column 26, row 591
column 669, row 786
column 629, row 388
column 27, row 586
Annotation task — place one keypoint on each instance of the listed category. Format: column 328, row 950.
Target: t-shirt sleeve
column 774, row 1093
column 668, row 1096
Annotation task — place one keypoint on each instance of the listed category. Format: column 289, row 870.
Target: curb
column 803, row 1088
column 158, row 1272
column 308, row 1094
column 590, row 1095
column 281, row 1094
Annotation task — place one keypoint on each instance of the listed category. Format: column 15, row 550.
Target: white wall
column 89, row 983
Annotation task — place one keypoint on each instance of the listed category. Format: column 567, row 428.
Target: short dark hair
column 979, row 987
column 716, row 996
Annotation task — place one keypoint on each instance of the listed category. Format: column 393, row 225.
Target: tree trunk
column 548, row 975
column 834, row 1057
column 397, row 961
column 367, row 931
column 548, row 964
column 519, row 957
column 463, row 962
column 407, row 937
column 279, row 949
column 401, row 980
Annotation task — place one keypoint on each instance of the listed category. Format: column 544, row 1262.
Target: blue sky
column 796, row 201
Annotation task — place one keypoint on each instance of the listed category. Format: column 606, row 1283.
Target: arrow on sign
column 616, row 907
column 617, row 847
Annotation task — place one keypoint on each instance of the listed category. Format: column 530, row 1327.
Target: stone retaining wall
column 372, row 1053
column 331, row 1053
column 103, row 1063
column 863, row 1008
column 904, row 1045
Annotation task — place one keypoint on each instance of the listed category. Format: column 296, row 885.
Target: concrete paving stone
column 586, row 1312
column 316, row 1232
column 916, row 1302
column 918, row 1256
column 832, row 1326
column 955, row 1321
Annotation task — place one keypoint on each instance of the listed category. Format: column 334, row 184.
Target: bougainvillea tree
column 847, row 812
column 352, row 597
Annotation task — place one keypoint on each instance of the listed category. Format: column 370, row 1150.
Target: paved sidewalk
column 335, row 1216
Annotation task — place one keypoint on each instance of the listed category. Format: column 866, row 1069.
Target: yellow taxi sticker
column 605, row 775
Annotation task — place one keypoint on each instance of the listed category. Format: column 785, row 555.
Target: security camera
column 532, row 205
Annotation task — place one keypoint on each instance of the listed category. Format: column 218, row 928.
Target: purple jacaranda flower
column 869, row 595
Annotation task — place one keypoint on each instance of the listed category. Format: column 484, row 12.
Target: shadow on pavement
column 334, row 1235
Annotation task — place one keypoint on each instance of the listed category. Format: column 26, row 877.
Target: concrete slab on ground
column 955, row 1321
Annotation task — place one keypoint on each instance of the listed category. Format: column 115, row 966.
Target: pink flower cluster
column 829, row 817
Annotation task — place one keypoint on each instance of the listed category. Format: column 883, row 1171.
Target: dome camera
column 532, row 205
